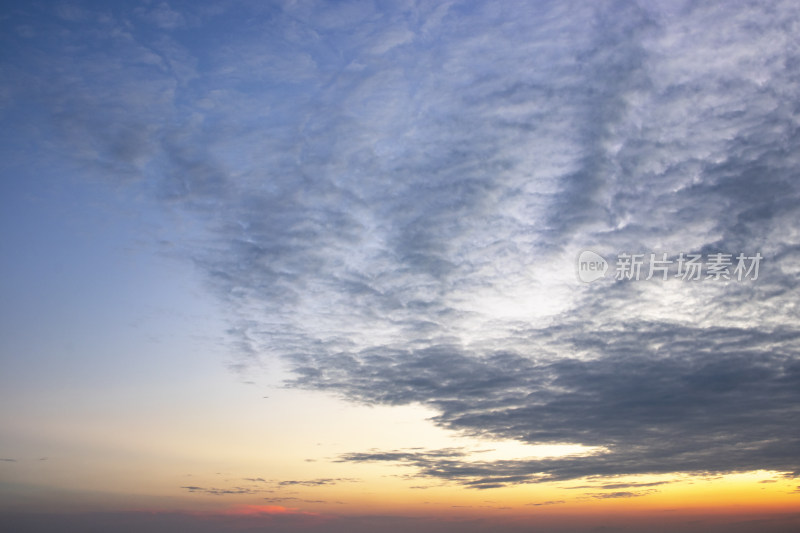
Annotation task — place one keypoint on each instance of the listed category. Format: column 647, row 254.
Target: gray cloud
column 710, row 400
column 293, row 500
column 314, row 482
column 622, row 485
column 262, row 485
column 223, row 492
column 550, row 502
column 619, row 494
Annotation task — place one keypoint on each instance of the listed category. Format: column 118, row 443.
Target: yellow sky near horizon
column 246, row 452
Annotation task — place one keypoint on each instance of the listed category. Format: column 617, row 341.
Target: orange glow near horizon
column 255, row 510
column 742, row 493
column 723, row 497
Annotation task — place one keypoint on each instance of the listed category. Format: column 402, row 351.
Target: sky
column 319, row 266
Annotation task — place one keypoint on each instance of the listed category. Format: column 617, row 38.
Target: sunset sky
column 313, row 266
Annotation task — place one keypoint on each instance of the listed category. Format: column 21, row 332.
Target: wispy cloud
column 259, row 485
column 223, row 492
column 550, row 502
column 314, row 482
column 621, row 485
column 619, row 494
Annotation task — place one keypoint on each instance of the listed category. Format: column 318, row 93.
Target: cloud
column 70, row 12
column 223, row 492
column 262, row 485
column 314, row 482
column 163, row 16
column 690, row 410
column 551, row 502
column 293, row 499
column 619, row 494
column 392, row 202
column 622, row 485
